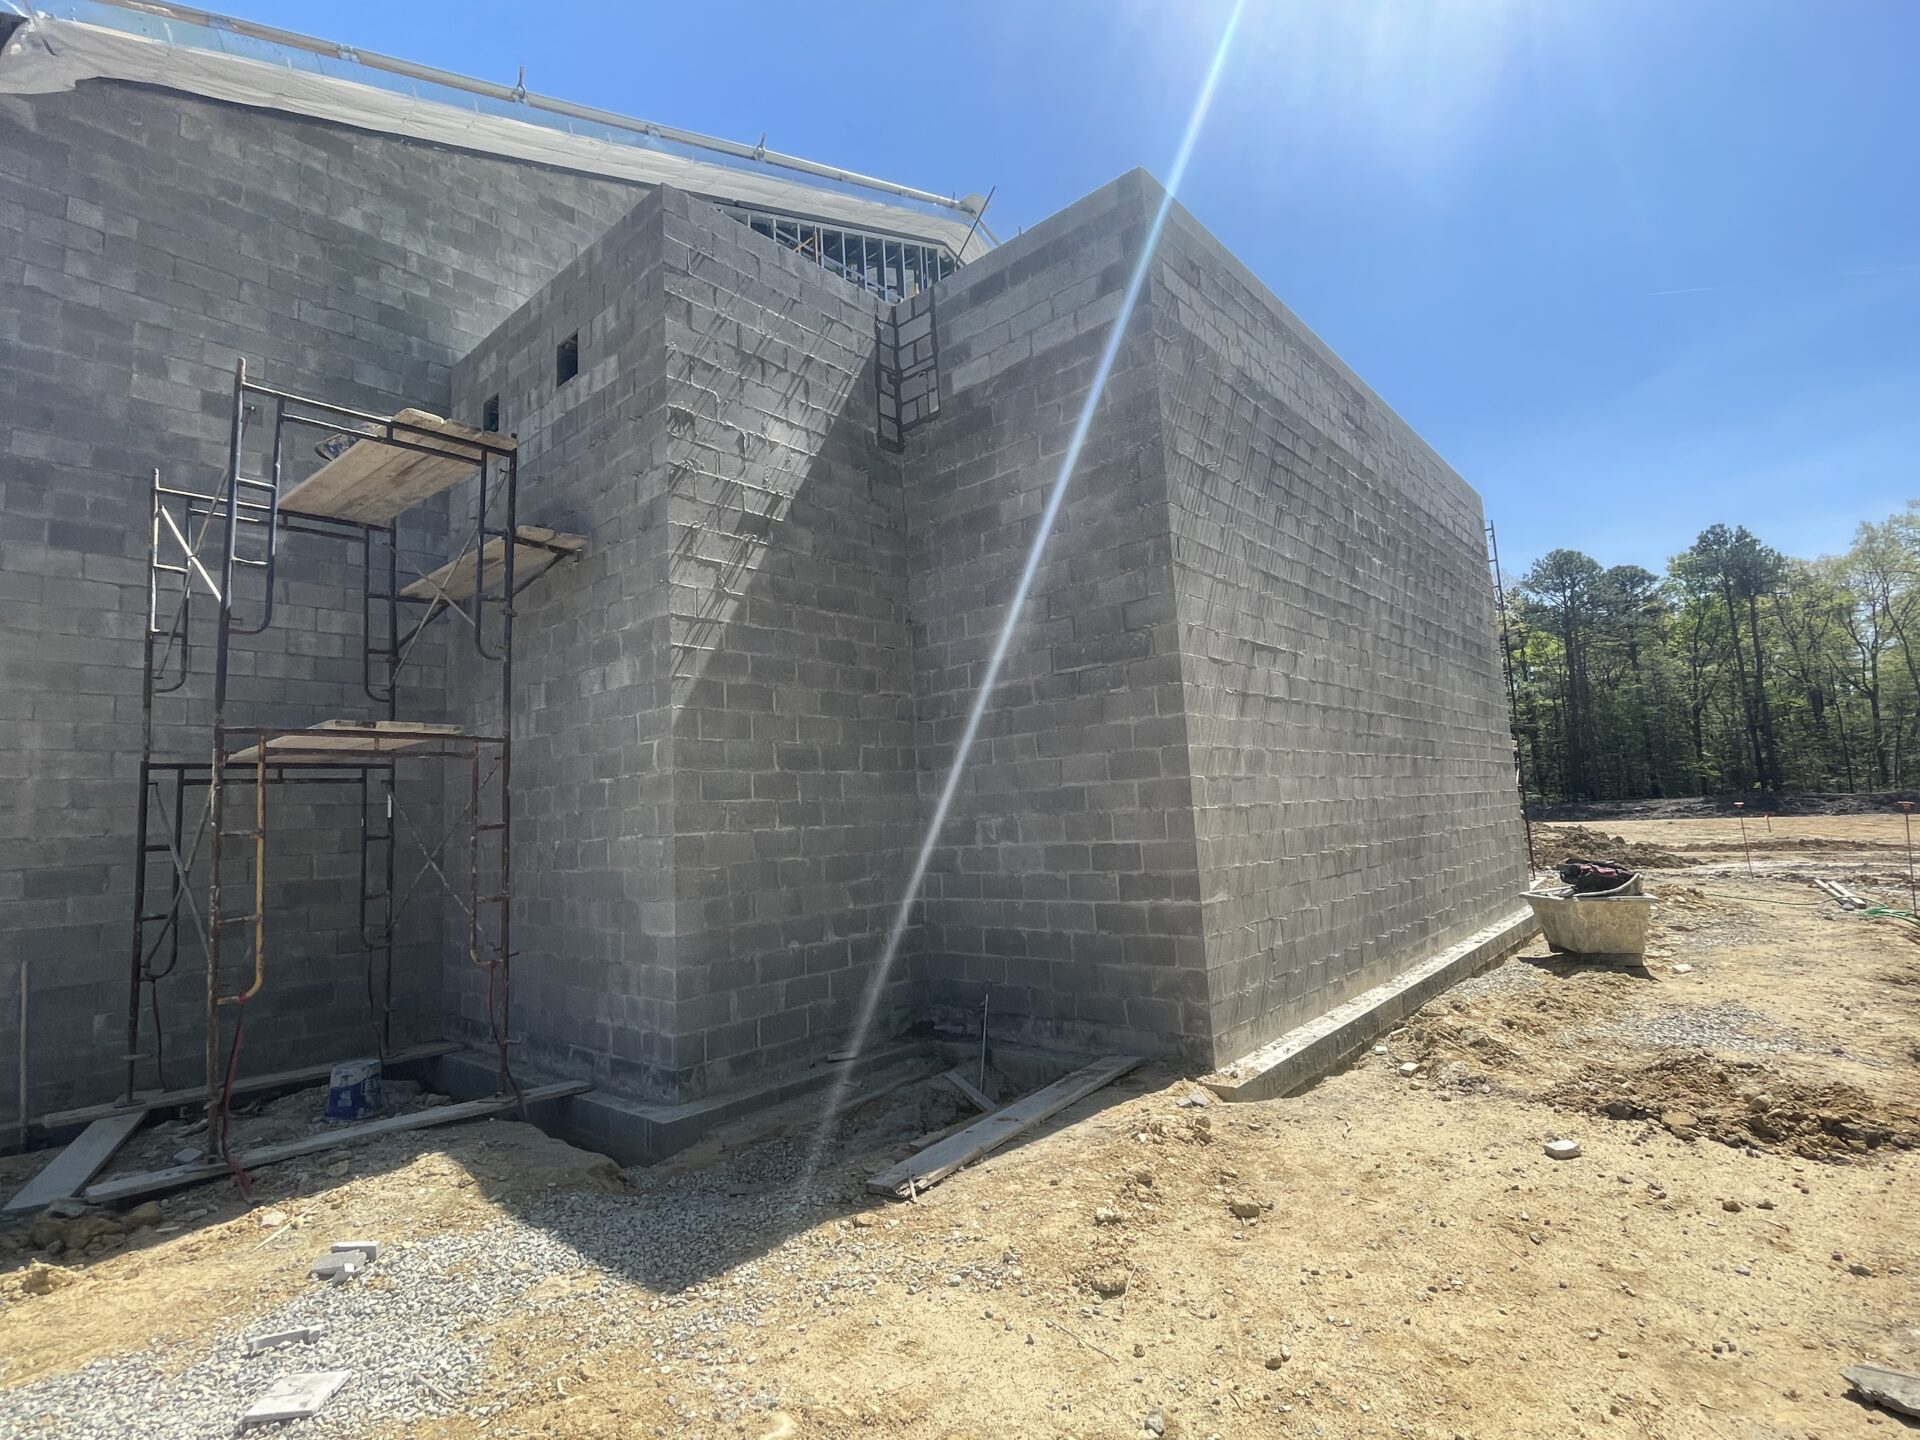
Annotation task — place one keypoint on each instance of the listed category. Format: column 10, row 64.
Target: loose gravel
column 1722, row 1026
column 1506, row 979
column 682, row 1266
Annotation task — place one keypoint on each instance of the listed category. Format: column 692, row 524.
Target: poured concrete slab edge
column 635, row 1132
column 1310, row 1051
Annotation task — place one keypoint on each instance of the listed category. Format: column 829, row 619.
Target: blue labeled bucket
column 354, row 1090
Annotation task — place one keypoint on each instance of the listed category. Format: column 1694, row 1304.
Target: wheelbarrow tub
column 1614, row 922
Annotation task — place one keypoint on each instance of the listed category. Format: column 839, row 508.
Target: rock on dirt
column 40, row 1278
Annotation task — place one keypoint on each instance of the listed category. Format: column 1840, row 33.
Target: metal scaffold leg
column 213, row 544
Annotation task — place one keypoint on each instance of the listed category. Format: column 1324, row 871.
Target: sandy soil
column 1739, row 1227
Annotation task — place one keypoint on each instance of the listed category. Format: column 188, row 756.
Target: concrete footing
column 1284, row 1065
column 634, row 1132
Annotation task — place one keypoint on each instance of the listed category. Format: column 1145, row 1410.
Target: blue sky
column 1632, row 266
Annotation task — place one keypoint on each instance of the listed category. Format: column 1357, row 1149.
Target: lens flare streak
column 1017, row 603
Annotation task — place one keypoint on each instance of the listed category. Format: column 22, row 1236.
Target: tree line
column 1739, row 669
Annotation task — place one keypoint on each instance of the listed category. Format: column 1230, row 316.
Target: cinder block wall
column 1246, row 756
column 593, row 987
column 714, row 742
column 147, row 241
column 1249, row 755
column 793, row 760
column 1354, row 798
column 1065, row 888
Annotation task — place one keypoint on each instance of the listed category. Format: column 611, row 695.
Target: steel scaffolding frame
column 203, row 543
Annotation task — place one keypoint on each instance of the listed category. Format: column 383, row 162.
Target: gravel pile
column 1723, row 1026
column 691, row 1258
column 1510, row 978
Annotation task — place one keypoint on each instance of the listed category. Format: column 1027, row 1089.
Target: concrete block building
column 1248, row 757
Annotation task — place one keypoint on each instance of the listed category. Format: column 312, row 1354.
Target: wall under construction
column 1252, row 754
column 147, row 241
column 1248, row 755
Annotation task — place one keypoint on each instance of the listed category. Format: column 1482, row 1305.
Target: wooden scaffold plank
column 371, row 481
column 538, row 549
column 351, row 737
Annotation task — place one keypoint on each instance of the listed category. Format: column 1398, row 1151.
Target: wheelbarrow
column 1610, row 922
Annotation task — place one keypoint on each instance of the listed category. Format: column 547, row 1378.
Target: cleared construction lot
column 1385, row 1254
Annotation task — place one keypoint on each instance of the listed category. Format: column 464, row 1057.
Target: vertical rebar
column 985, row 995
column 1740, row 809
column 23, row 1047
column 1913, row 900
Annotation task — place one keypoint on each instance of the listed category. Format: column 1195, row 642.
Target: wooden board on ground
column 351, row 737
column 371, row 482
column 68, row 1172
column 1895, row 1389
column 147, row 1100
column 974, row 1095
column 124, row 1187
column 533, row 553
column 991, row 1132
column 1839, row 892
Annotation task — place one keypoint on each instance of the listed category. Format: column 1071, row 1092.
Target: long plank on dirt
column 68, row 1172
column 124, row 1187
column 990, row 1132
column 161, row 1099
column 371, row 482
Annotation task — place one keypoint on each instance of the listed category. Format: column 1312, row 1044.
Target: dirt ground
column 1386, row 1254
column 1684, row 807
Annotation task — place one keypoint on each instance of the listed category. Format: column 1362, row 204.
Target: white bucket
column 354, row 1090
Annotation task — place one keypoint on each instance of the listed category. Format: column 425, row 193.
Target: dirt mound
column 1691, row 898
column 1746, row 1104
column 1508, row 1021
column 1554, row 843
column 1697, row 807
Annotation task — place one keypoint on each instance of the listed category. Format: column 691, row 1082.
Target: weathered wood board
column 393, row 737
column 371, row 482
column 456, row 580
column 68, row 1172
column 992, row 1131
column 122, row 1187
column 273, row 1080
